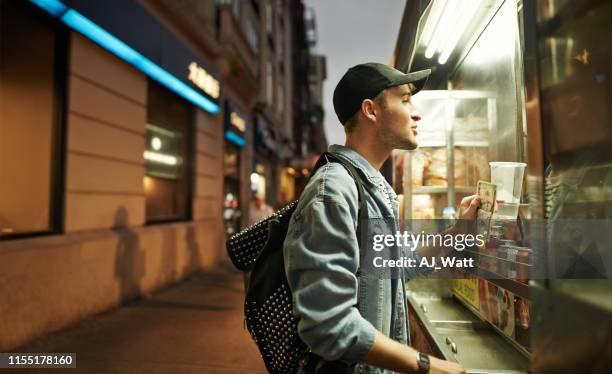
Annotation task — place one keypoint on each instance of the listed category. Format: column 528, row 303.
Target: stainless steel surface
column 459, row 334
column 424, row 308
column 535, row 154
column 493, row 65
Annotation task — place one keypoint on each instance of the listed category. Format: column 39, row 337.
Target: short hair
column 351, row 124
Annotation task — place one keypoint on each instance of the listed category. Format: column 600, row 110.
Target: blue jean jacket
column 338, row 307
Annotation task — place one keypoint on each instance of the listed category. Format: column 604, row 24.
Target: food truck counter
column 444, row 326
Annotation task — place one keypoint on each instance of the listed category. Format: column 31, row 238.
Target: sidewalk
column 193, row 327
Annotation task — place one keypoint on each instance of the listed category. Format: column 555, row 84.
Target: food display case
column 453, row 153
column 480, row 318
column 531, row 84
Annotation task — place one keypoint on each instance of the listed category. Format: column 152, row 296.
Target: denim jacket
column 338, row 307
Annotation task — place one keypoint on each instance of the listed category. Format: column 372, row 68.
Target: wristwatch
column 423, row 362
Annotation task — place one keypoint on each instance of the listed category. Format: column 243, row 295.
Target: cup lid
column 506, row 163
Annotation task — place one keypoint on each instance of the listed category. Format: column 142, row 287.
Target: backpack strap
column 362, row 215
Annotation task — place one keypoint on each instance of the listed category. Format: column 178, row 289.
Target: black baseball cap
column 365, row 81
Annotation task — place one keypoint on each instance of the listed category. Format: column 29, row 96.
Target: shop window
column 168, row 156
column 231, row 188
column 33, row 79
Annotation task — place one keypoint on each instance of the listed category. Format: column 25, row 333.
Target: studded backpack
column 268, row 304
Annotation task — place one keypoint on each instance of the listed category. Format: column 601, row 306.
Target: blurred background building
column 134, row 135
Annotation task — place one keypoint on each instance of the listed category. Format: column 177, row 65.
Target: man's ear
column 368, row 109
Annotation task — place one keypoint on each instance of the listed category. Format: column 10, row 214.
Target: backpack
column 268, row 304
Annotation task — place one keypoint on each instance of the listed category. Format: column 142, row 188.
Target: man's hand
column 438, row 366
column 468, row 207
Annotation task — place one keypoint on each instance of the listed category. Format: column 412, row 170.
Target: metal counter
column 458, row 334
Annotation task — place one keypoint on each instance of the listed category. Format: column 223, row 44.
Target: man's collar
column 358, row 162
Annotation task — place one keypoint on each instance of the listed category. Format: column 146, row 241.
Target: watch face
column 424, row 359
column 423, row 363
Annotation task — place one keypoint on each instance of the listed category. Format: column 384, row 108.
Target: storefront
column 235, row 128
column 266, row 163
column 113, row 137
column 513, row 82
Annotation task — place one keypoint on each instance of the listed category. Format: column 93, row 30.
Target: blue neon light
column 82, row 24
column 234, row 138
column 54, row 7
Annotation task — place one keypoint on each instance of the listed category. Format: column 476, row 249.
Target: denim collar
column 372, row 175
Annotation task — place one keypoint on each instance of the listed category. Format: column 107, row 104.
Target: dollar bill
column 487, row 192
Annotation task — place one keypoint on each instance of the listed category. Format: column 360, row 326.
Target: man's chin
column 407, row 146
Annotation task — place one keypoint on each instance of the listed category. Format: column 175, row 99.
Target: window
column 33, row 75
column 280, row 95
column 168, row 156
column 231, row 188
column 252, row 34
column 269, row 81
column 269, row 18
column 236, row 9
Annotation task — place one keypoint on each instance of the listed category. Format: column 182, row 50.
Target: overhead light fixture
column 160, row 158
column 446, row 23
column 467, row 14
column 444, row 26
column 432, row 21
column 156, row 143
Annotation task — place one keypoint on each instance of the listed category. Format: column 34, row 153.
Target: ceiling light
column 466, row 16
column 447, row 20
column 432, row 21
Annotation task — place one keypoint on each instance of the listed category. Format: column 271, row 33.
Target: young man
column 348, row 319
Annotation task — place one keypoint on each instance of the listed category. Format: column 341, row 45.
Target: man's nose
column 415, row 116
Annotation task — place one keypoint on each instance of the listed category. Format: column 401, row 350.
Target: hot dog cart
column 526, row 82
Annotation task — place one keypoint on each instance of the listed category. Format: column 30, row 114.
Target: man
column 345, row 317
column 258, row 209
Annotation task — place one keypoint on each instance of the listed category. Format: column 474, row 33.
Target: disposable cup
column 508, row 177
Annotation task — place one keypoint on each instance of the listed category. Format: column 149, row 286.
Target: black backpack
column 268, row 304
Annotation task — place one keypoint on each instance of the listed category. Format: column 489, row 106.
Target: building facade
column 130, row 133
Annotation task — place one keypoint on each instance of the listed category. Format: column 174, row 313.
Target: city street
column 195, row 326
column 413, row 185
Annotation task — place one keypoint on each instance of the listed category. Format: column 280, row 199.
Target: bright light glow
column 446, row 24
column 160, row 157
column 156, row 143
column 207, row 83
column 254, row 178
column 55, row 7
column 82, row 24
column 499, row 38
column 432, row 20
column 236, row 139
column 464, row 20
